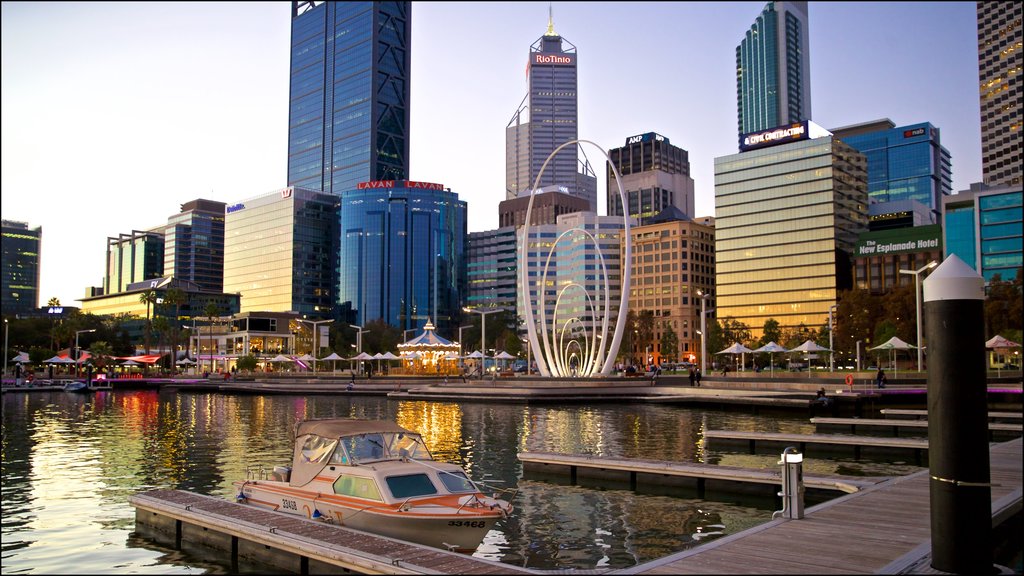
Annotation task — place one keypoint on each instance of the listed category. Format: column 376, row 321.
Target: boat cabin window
column 357, row 487
column 411, row 443
column 316, row 449
column 410, row 485
column 456, row 481
column 365, row 447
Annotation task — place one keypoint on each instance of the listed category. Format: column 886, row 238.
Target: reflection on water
column 70, row 462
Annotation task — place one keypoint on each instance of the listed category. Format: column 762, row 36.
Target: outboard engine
column 281, row 474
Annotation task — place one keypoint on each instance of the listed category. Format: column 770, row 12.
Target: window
column 456, row 481
column 357, row 487
column 410, row 485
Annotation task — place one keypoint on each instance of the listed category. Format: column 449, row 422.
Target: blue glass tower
column 348, row 117
column 982, row 227
column 402, row 254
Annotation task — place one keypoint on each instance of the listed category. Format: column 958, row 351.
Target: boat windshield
column 372, row 447
column 412, row 444
column 456, row 481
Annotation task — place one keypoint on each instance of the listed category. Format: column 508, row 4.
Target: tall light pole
column 461, row 328
column 703, row 330
column 405, row 334
column 831, row 347
column 483, row 330
column 917, row 297
column 5, row 346
column 77, row 355
column 315, row 323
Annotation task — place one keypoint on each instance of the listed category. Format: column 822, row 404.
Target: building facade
column 547, row 118
column 402, row 254
column 904, row 163
column 787, row 219
column 194, row 244
column 548, row 205
column 673, row 258
column 132, row 258
column 491, row 268
column 982, row 226
column 20, row 268
column 281, row 252
column 773, row 69
column 881, row 254
column 655, row 175
column 348, row 116
column 1000, row 61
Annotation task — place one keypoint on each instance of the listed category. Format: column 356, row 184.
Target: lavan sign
column 385, row 184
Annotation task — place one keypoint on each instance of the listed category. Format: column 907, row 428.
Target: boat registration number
column 468, row 523
column 289, row 505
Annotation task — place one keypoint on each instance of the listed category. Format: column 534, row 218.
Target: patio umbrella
column 997, row 342
column 280, row 358
column 21, row 357
column 59, row 360
column 185, row 362
column 808, row 347
column 893, row 344
column 771, row 348
column 130, row 363
column 333, row 358
column 736, row 348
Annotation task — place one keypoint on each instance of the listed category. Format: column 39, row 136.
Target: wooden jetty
column 289, row 543
column 895, row 424
column 830, row 443
column 885, row 529
column 923, row 414
column 701, row 477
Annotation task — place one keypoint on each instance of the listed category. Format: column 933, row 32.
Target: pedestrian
column 693, row 377
column 880, row 378
column 18, row 372
column 698, row 377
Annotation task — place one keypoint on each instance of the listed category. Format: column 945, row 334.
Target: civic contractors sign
column 899, row 241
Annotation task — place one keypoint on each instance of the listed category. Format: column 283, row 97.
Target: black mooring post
column 958, row 452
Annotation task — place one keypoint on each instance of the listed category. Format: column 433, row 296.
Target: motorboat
column 375, row 476
column 77, row 386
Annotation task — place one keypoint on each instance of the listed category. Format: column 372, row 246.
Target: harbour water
column 70, row 462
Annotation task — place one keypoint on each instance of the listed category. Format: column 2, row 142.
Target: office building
column 133, row 257
column 547, row 118
column 982, row 226
column 655, row 176
column 881, row 254
column 773, row 69
column 20, row 268
column 1000, row 62
column 491, row 268
column 348, row 115
column 788, row 214
column 548, row 205
column 904, row 163
column 194, row 244
column 402, row 254
column 673, row 258
column 281, row 252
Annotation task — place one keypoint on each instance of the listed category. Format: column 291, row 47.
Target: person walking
column 693, row 377
column 880, row 378
column 698, row 377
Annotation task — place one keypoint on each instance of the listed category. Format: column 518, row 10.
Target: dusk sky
column 115, row 114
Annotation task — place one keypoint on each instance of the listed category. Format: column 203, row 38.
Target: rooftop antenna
column 551, row 22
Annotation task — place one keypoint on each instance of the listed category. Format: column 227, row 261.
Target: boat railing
column 255, row 472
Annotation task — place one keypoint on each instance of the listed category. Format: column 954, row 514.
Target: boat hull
column 440, row 525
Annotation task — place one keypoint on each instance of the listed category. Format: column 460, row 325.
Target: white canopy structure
column 771, row 348
column 808, row 347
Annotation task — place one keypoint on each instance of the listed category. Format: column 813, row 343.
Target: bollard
column 960, row 492
column 792, row 485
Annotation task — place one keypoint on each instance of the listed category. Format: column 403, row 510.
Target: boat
column 375, row 476
column 76, row 386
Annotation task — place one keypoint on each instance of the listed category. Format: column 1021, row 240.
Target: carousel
column 429, row 353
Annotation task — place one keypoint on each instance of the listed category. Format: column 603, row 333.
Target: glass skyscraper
column 655, row 175
column 194, row 244
column 20, row 267
column 402, row 254
column 133, row 258
column 773, row 69
column 1000, row 59
column 348, row 118
column 904, row 163
column 553, row 119
column 982, row 227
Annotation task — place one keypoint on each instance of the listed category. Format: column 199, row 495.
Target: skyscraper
column 552, row 121
column 655, row 175
column 20, row 267
column 133, row 258
column 348, row 117
column 194, row 244
column 773, row 69
column 999, row 68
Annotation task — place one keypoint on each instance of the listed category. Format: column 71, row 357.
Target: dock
column 289, row 543
column 703, row 478
column 885, row 529
column 923, row 414
column 821, row 443
column 919, row 426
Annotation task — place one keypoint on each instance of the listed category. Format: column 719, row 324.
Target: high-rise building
column 787, row 219
column 1000, row 61
column 904, row 163
column 982, row 226
column 773, row 69
column 132, row 258
column 491, row 268
column 552, row 120
column 194, row 244
column 20, row 267
column 348, row 117
column 547, row 207
column 281, row 252
column 655, row 175
column 402, row 254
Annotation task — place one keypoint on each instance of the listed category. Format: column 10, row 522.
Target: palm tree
column 161, row 326
column 211, row 311
column 147, row 298
column 101, row 352
column 176, row 297
column 53, row 335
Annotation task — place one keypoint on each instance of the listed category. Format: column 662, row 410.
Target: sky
column 115, row 114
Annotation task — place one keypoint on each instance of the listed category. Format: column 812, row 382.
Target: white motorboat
column 377, row 477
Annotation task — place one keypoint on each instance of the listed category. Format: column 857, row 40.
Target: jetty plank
column 923, row 414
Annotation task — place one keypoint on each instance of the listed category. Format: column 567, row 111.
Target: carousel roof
column 428, row 339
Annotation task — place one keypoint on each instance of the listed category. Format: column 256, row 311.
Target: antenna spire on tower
column 551, row 22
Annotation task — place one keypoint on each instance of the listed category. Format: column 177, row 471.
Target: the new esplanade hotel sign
column 805, row 130
column 899, row 241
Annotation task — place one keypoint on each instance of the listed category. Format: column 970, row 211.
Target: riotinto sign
column 559, row 59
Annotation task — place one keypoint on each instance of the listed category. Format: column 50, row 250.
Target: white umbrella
column 893, row 344
column 130, row 363
column 736, row 348
column 333, row 358
column 476, row 354
column 389, row 356
column 21, row 357
column 997, row 342
column 185, row 362
column 59, row 360
column 808, row 347
column 280, row 358
column 362, row 356
column 771, row 348
column 505, row 356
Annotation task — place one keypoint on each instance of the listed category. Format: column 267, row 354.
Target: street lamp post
column 405, row 334
column 831, row 347
column 5, row 347
column 917, row 297
column 461, row 350
column 77, row 354
column 315, row 323
column 483, row 331
column 703, row 330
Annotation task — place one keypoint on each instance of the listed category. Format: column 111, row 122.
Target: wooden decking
column 923, row 414
column 883, row 529
column 819, row 443
column 657, row 470
column 894, row 425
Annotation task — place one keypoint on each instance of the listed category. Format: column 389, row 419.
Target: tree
column 101, row 353
column 1003, row 306
column 669, row 343
column 772, row 333
column 644, row 328
column 856, row 315
column 733, row 331
column 247, row 363
column 147, row 298
column 212, row 311
column 382, row 337
column 162, row 328
column 175, row 297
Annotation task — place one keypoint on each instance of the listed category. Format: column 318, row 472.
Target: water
column 70, row 462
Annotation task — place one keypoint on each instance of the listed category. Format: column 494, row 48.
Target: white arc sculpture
column 574, row 348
